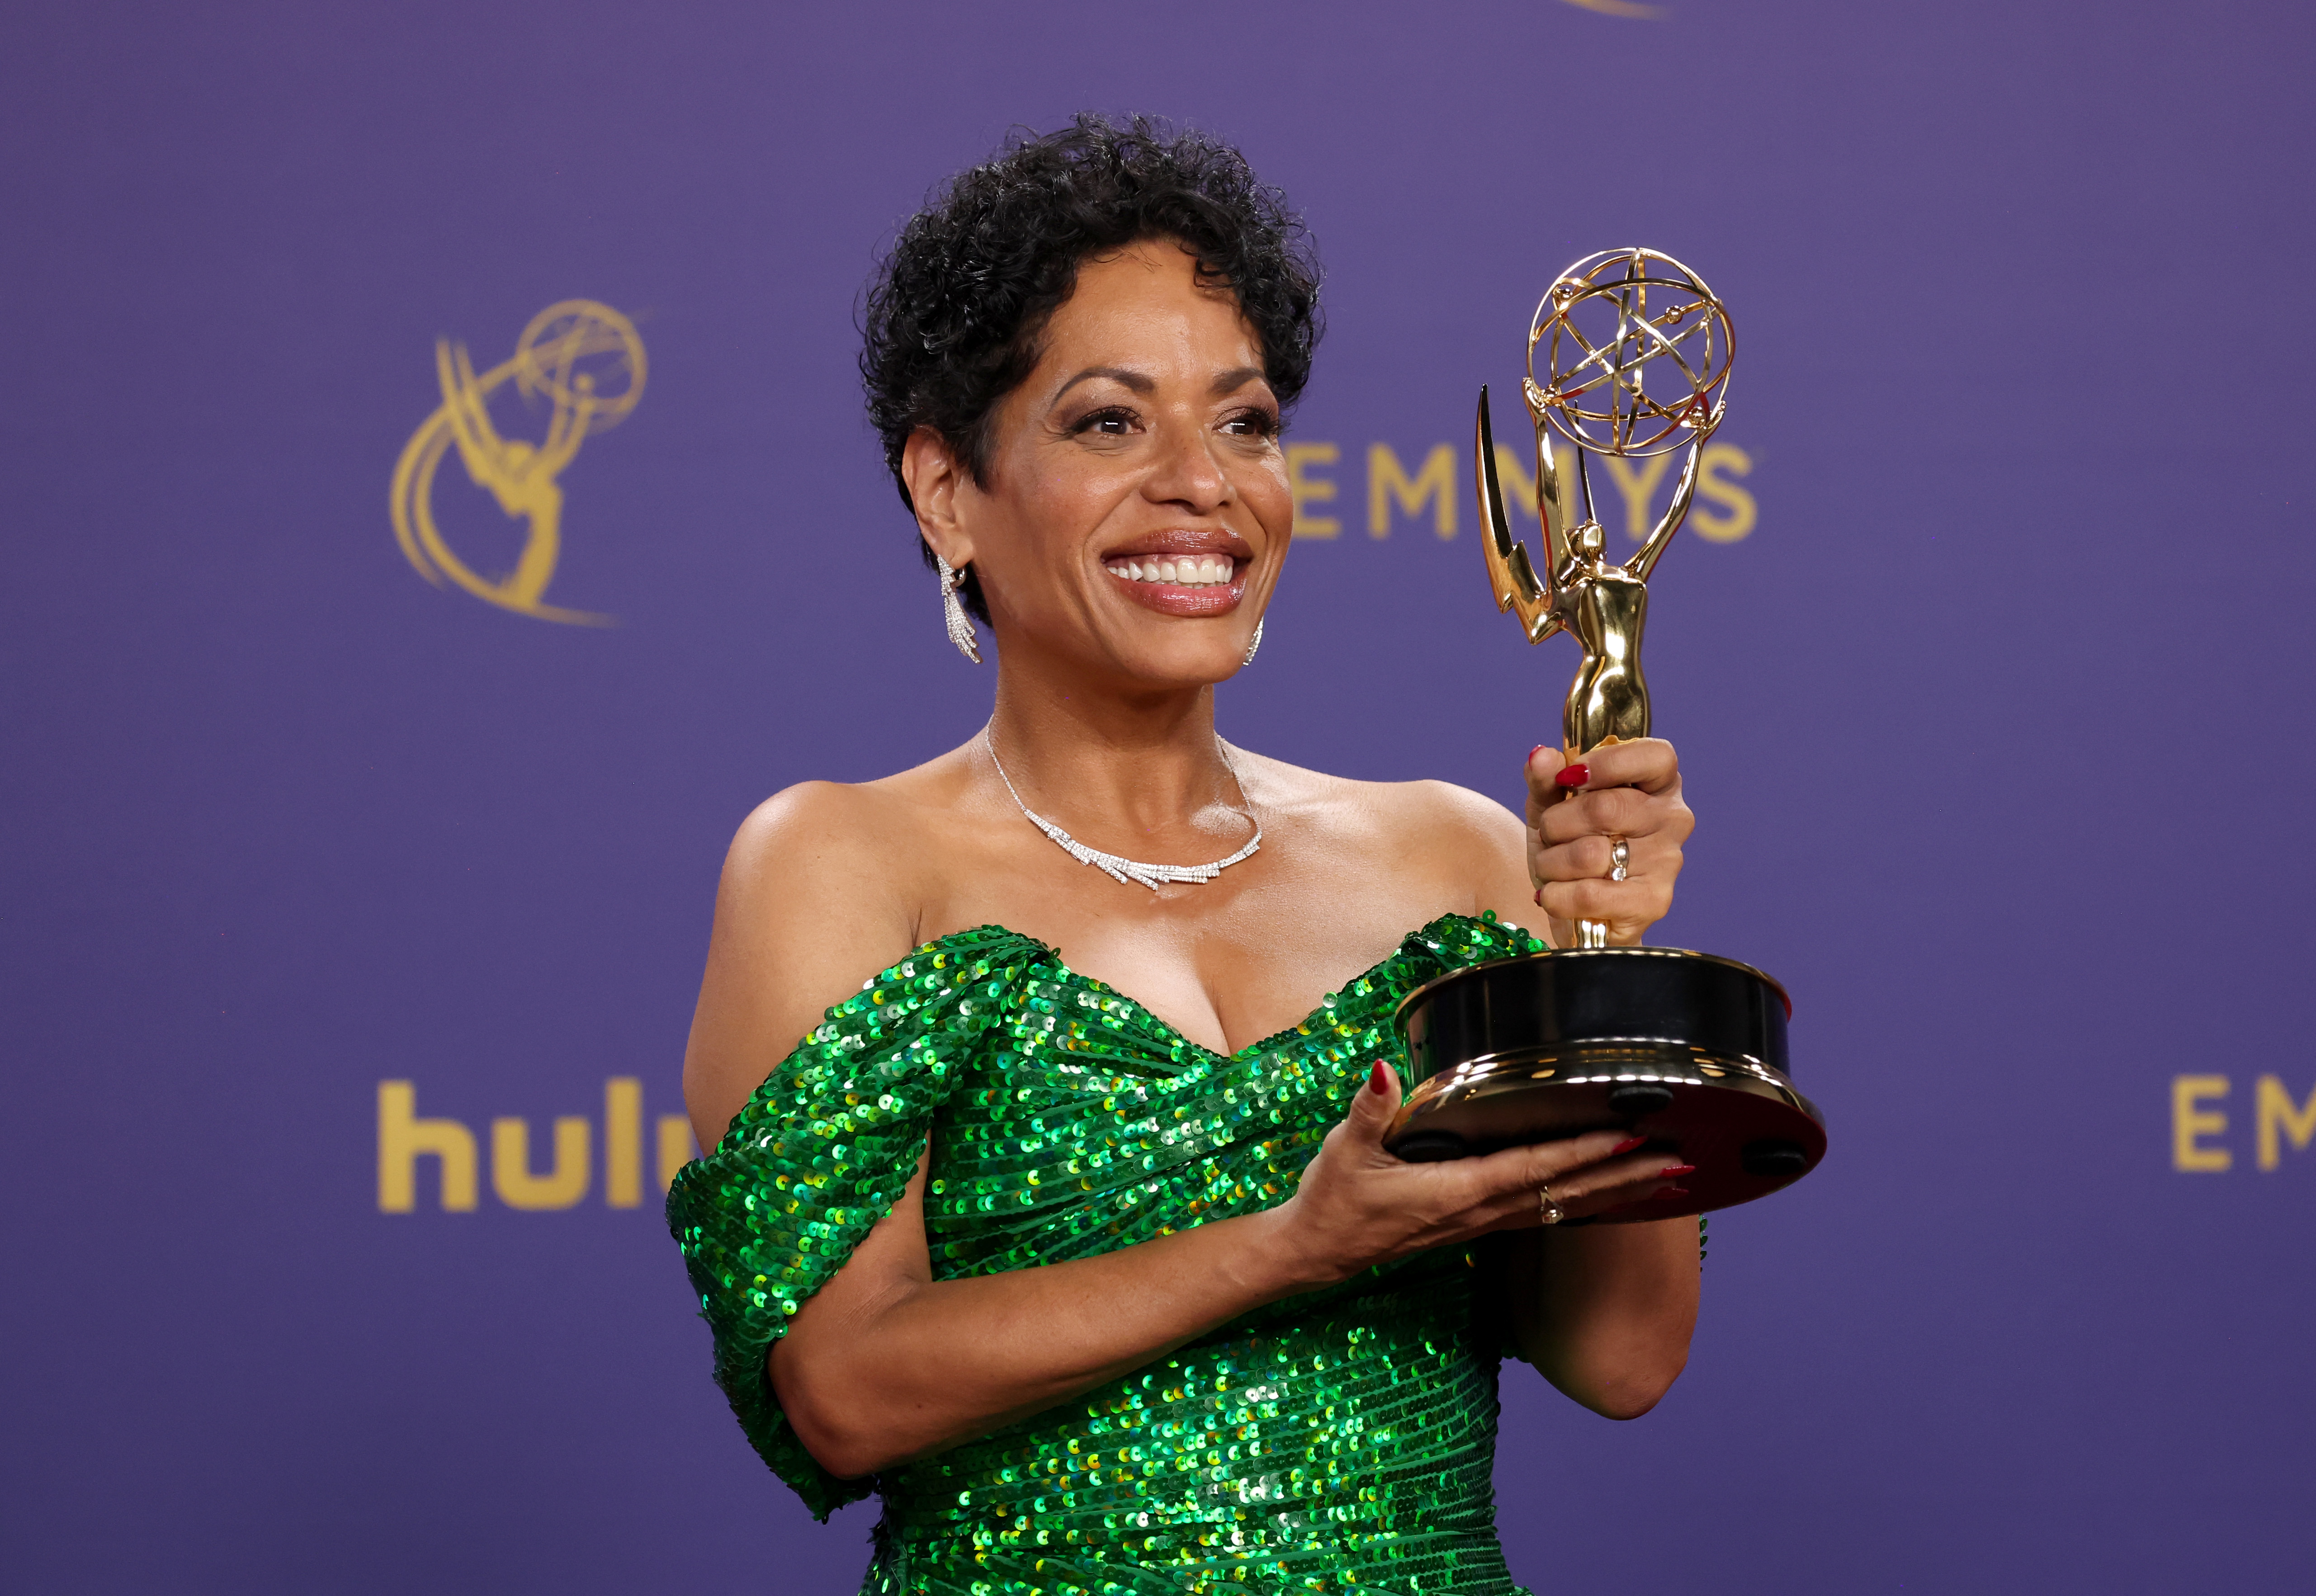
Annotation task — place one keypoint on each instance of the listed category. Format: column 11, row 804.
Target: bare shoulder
column 843, row 851
column 1456, row 815
column 817, row 840
column 1460, row 846
column 1470, row 838
column 818, row 890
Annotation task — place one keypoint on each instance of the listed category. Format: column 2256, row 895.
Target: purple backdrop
column 1990, row 719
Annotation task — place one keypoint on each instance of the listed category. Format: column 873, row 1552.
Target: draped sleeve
column 820, row 1152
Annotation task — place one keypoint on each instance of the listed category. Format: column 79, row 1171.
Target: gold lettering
column 676, row 1148
column 1308, row 489
column 562, row 1186
column 403, row 1138
column 1388, row 480
column 1717, row 529
column 1638, row 487
column 2190, row 1122
column 623, row 1142
column 2278, row 1112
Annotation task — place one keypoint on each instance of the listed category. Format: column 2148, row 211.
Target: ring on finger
column 1547, row 1209
column 1620, row 854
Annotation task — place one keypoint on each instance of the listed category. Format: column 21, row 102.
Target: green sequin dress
column 1340, row 1442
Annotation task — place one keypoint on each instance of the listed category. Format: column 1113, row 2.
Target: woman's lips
column 1181, row 584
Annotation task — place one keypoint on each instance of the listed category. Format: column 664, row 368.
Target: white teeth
column 1202, row 571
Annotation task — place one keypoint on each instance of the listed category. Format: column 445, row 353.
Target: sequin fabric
column 1340, row 1442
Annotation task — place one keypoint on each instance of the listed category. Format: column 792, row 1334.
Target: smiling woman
column 1097, row 1270
column 1081, row 444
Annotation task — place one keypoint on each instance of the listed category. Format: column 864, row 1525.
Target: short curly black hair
column 953, row 316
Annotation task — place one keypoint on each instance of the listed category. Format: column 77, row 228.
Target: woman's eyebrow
column 1136, row 381
column 1224, row 382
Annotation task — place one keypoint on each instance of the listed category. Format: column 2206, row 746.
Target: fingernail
column 1626, row 1146
column 1534, row 752
column 1374, row 1078
column 1670, row 1170
column 1539, row 897
column 1573, row 776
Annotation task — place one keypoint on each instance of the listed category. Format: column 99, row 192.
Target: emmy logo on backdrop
column 1628, row 359
column 585, row 361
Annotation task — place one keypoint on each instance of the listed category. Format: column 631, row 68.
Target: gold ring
column 1620, row 854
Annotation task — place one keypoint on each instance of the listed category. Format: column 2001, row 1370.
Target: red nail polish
column 1573, row 776
column 1626, row 1146
column 1539, row 897
column 1374, row 1078
column 1670, row 1170
column 1534, row 752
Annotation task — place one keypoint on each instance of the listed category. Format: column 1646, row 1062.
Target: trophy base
column 1684, row 1048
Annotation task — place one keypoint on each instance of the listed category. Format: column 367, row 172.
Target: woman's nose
column 1186, row 472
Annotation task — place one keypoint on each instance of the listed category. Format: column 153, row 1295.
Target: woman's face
column 1136, row 508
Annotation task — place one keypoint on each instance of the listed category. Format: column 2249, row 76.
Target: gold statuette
column 1635, row 363
column 1627, row 358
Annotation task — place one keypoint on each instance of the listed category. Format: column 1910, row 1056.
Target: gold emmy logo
column 585, row 361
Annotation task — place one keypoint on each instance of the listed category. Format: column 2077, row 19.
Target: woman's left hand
column 1577, row 810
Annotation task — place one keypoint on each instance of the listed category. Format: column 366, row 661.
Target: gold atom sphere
column 1636, row 354
column 584, row 357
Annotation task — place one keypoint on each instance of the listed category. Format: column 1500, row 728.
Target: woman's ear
column 934, row 476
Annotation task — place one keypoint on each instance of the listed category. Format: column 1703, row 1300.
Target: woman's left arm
column 1604, row 1312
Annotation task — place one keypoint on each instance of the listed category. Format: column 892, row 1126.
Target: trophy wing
column 468, row 410
column 1552, row 507
column 1509, row 571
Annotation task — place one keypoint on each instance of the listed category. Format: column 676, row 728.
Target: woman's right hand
column 1358, row 1205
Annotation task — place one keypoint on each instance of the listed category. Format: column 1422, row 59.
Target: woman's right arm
column 808, row 905
column 884, row 1363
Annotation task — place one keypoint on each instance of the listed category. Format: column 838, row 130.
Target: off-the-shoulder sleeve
column 820, row 1154
column 1463, row 941
column 1448, row 943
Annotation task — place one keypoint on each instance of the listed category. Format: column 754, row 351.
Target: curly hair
column 954, row 315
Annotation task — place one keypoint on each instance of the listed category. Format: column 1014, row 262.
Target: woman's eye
column 1112, row 423
column 1253, row 423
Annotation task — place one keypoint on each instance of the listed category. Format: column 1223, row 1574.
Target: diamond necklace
column 1127, row 870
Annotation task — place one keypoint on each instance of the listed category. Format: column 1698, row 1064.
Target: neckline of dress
column 1175, row 1031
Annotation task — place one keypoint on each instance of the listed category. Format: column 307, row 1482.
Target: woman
column 1097, row 1271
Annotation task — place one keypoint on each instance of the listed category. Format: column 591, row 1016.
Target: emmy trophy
column 1685, row 1048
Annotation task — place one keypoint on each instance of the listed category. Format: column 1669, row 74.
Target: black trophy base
column 1684, row 1048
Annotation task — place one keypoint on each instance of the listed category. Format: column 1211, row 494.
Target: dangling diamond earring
column 960, row 624
column 1252, row 644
